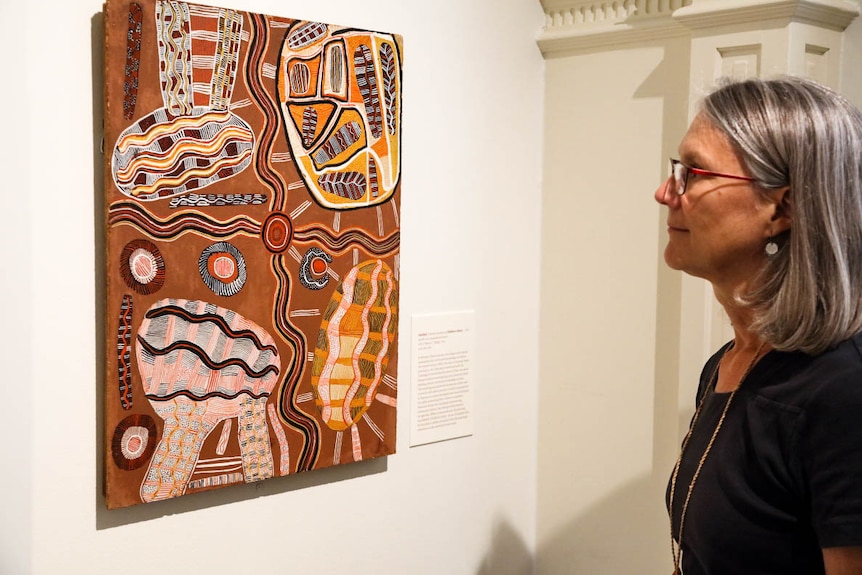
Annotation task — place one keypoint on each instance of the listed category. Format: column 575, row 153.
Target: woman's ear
column 782, row 210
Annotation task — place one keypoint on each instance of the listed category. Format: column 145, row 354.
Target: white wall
column 473, row 84
column 17, row 337
column 609, row 311
column 851, row 73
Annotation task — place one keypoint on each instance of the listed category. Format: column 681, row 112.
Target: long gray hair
column 797, row 133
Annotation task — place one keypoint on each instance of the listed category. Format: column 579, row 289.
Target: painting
column 252, row 219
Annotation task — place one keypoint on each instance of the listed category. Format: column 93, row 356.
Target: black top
column 784, row 476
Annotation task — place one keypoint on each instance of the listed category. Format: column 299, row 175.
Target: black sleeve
column 830, row 439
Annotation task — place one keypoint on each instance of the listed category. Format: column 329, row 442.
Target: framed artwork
column 252, row 195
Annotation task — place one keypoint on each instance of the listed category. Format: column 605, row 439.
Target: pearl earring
column 771, row 248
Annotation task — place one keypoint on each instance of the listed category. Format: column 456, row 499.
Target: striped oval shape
column 199, row 350
column 357, row 332
column 162, row 155
column 306, row 34
column 300, row 78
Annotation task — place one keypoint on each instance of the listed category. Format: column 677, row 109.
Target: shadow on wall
column 626, row 532
column 508, row 554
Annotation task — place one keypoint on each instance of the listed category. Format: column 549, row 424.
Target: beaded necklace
column 676, row 543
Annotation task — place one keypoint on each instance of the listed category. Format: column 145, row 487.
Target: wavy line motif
column 390, row 315
column 162, row 155
column 352, row 349
column 204, row 358
column 172, row 161
column 124, row 352
column 205, row 200
column 347, row 239
column 287, row 408
column 161, row 123
column 190, row 395
column 133, row 60
column 201, row 177
column 347, row 410
column 190, row 317
column 175, row 57
column 131, row 213
column 183, row 141
column 226, row 56
column 257, row 48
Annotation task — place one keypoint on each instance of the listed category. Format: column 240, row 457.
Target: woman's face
column 718, row 229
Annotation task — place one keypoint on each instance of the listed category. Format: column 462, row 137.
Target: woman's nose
column 665, row 193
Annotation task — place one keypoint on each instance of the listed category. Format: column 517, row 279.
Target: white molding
column 573, row 26
column 830, row 14
column 559, row 42
column 589, row 13
column 576, row 25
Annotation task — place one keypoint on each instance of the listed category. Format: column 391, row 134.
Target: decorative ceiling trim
column 577, row 25
column 561, row 42
column 831, row 14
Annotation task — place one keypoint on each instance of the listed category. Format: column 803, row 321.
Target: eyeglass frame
column 681, row 186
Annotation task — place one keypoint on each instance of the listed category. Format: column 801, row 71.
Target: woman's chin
column 672, row 259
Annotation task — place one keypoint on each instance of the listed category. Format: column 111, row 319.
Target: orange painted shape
column 323, row 112
column 365, row 297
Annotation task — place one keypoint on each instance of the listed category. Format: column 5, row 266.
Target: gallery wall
column 605, row 432
column 473, row 109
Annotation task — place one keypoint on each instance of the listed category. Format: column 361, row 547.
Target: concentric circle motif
column 313, row 268
column 134, row 441
column 142, row 266
column 222, row 269
column 277, row 232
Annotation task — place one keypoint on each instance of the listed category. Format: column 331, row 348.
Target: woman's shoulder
column 808, row 382
column 838, row 364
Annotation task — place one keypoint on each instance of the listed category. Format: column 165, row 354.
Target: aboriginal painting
column 252, row 192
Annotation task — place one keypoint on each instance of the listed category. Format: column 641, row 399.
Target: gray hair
column 797, row 133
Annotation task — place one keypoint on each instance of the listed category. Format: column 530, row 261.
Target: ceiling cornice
column 573, row 26
column 832, row 14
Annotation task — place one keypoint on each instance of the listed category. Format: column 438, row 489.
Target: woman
column 765, row 203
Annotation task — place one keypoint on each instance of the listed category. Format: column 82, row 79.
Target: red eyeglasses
column 681, row 172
